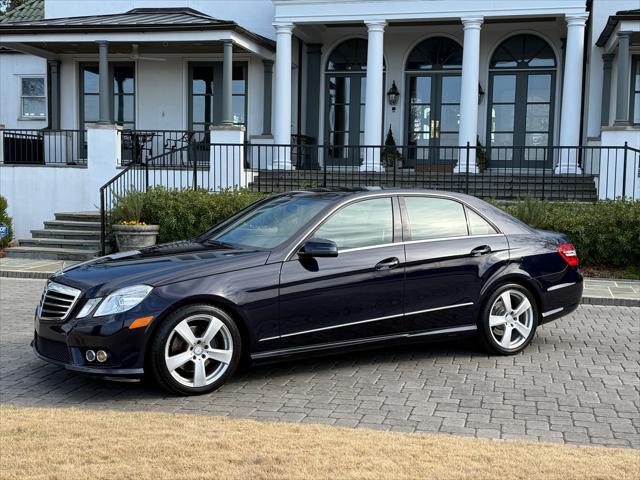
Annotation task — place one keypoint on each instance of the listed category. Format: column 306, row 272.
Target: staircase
column 71, row 236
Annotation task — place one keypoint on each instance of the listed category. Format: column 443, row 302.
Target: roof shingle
column 31, row 10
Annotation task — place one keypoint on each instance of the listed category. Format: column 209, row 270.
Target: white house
column 487, row 90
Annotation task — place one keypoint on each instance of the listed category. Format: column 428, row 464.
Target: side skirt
column 360, row 341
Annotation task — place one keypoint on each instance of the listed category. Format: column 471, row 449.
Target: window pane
column 34, row 107
column 420, row 118
column 202, row 80
column 478, row 225
column 536, row 140
column 537, row 118
column 435, row 218
column 504, row 88
column 123, row 79
column 539, row 88
column 123, row 109
column 502, row 116
column 91, row 111
column 451, row 89
column 450, row 118
column 202, row 109
column 238, row 83
column 420, row 89
column 361, row 224
column 91, row 80
column 339, row 117
column 238, row 108
column 636, row 108
column 33, row 87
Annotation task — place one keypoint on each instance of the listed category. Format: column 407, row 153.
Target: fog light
column 90, row 355
column 101, row 356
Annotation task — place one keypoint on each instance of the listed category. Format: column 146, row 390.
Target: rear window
column 435, row 218
column 478, row 225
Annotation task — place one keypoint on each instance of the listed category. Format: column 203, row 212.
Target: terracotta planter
column 135, row 237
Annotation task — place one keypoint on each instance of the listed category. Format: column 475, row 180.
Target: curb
column 601, row 301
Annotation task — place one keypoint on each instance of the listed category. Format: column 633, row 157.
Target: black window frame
column 633, row 89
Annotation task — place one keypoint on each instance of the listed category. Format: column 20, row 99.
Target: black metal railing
column 140, row 145
column 44, row 147
column 181, row 168
column 549, row 173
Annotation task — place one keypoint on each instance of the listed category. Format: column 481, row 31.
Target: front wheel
column 195, row 350
column 508, row 320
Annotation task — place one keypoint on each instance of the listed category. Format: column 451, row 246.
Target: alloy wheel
column 198, row 350
column 511, row 319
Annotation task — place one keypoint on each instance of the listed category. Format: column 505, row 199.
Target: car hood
column 158, row 265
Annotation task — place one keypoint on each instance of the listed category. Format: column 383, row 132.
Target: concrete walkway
column 596, row 291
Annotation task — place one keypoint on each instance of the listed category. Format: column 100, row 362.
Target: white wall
column 254, row 15
column 12, row 66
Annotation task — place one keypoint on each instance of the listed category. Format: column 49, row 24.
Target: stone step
column 71, row 225
column 79, row 244
column 67, row 234
column 50, row 253
column 93, row 217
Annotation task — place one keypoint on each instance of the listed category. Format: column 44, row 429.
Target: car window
column 361, row 224
column 435, row 218
column 478, row 225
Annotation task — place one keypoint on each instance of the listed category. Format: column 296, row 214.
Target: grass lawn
column 79, row 444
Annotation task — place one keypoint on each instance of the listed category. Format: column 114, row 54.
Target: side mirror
column 319, row 247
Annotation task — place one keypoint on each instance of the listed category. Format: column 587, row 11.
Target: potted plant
column 131, row 233
column 391, row 157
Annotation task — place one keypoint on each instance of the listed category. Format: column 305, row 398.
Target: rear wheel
column 508, row 320
column 195, row 350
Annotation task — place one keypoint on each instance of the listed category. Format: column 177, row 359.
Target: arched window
column 521, row 102
column 437, row 53
column 345, row 93
column 433, row 72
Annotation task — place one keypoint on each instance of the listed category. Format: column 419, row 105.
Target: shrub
column 6, row 219
column 183, row 214
column 605, row 233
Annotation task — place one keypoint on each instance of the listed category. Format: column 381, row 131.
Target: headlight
column 123, row 300
column 88, row 307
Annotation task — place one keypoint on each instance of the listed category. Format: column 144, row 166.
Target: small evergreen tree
column 390, row 154
column 6, row 219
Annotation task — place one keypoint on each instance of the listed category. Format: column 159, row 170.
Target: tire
column 502, row 331
column 195, row 350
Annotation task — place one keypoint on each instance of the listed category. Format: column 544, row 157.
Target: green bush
column 605, row 233
column 183, row 214
column 6, row 219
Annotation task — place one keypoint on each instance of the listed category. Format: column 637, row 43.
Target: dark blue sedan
column 309, row 272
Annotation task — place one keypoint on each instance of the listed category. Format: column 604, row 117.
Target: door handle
column 388, row 263
column 437, row 129
column 481, row 250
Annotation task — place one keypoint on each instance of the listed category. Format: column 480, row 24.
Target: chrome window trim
column 559, row 286
column 551, row 312
column 313, row 228
column 359, row 322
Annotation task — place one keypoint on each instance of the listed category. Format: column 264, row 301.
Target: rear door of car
column 451, row 251
column 357, row 294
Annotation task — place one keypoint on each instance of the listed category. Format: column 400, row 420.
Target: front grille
column 57, row 301
column 54, row 350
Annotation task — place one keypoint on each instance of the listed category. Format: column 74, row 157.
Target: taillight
column 568, row 252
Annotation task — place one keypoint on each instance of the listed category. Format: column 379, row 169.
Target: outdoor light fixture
column 480, row 94
column 394, row 95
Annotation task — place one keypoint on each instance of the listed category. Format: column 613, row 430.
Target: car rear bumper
column 560, row 294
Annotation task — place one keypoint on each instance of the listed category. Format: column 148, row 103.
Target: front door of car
column 357, row 294
column 450, row 253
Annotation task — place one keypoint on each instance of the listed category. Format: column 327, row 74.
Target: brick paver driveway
column 577, row 383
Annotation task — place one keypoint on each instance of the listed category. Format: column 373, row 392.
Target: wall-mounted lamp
column 480, row 94
column 394, row 95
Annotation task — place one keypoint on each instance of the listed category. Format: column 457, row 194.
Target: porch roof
column 53, row 36
column 614, row 22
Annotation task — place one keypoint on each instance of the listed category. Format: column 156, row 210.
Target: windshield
column 270, row 223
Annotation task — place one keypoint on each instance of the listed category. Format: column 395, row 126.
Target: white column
column 572, row 95
column 226, row 158
column 282, row 117
column 468, row 132
column 374, row 97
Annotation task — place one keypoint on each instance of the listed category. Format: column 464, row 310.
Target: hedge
column 183, row 214
column 605, row 233
column 6, row 219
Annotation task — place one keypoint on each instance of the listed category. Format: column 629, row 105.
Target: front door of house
column 433, row 120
